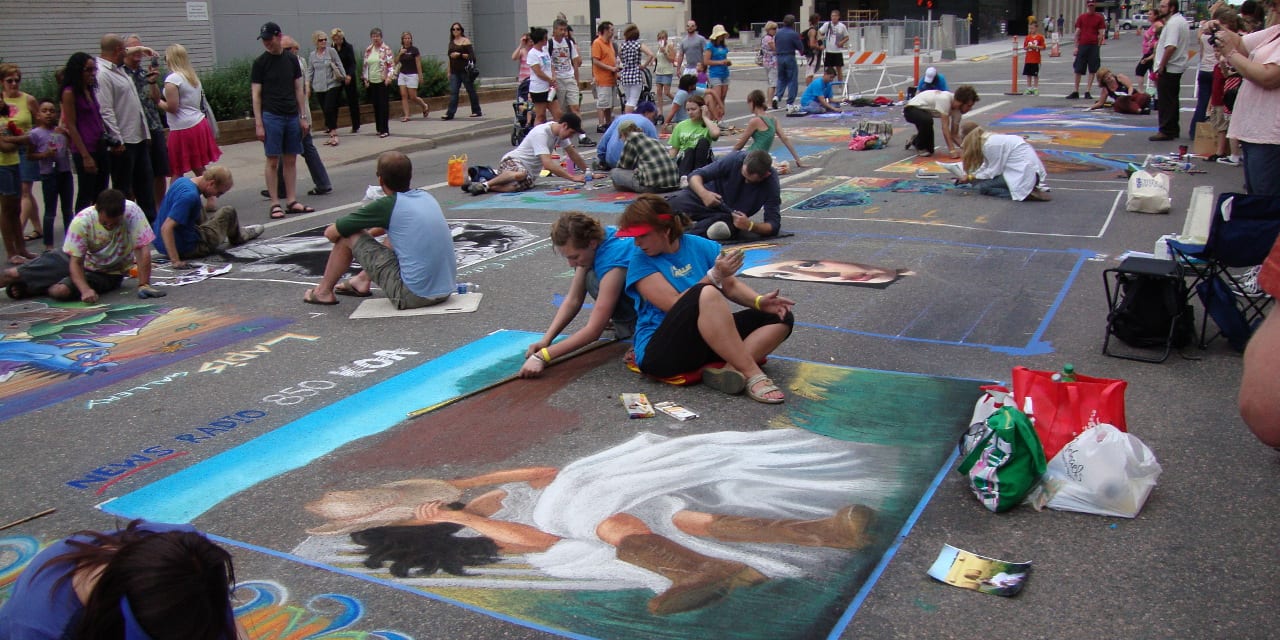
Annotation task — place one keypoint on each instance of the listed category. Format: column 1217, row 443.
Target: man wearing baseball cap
column 1090, row 32
column 279, row 105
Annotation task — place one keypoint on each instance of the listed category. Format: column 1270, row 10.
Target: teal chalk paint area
column 185, row 495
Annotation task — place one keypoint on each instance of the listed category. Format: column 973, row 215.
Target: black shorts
column 540, row 98
column 1088, row 59
column 677, row 347
column 1031, row 69
column 833, row 60
column 159, row 154
column 1143, row 69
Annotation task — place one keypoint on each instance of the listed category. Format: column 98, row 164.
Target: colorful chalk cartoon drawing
column 262, row 606
column 1041, row 118
column 855, row 192
column 1056, row 161
column 1082, row 139
column 839, row 439
column 54, row 351
column 561, row 198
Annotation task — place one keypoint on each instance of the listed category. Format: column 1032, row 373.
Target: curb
column 426, row 144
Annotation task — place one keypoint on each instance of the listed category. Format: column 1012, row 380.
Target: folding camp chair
column 1241, row 233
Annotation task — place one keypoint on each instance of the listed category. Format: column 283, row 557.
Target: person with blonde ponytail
column 1001, row 165
column 192, row 146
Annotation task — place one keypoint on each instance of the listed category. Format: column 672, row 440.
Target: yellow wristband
column 757, row 303
column 545, row 355
column 751, row 225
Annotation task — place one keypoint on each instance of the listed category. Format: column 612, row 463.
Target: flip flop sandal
column 293, row 207
column 34, row 235
column 345, row 289
column 17, row 291
column 277, row 212
column 404, row 119
column 761, row 395
column 727, row 380
column 310, row 298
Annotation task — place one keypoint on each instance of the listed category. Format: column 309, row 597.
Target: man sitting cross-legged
column 722, row 197
column 181, row 228
column 645, row 165
column 419, row 267
column 103, row 242
column 521, row 166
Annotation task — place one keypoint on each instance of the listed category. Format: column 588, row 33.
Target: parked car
column 1136, row 22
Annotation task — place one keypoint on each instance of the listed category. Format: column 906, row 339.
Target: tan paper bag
column 1206, row 143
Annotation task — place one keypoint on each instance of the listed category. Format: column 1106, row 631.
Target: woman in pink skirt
column 192, row 146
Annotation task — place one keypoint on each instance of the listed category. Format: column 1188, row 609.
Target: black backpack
column 804, row 40
column 1146, row 308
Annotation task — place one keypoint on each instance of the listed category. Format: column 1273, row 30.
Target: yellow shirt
column 22, row 118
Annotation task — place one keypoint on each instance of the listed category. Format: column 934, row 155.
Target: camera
column 1213, row 36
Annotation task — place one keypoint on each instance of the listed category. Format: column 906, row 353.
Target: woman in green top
column 761, row 129
column 691, row 139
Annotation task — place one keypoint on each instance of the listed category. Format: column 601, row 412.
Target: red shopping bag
column 1063, row 410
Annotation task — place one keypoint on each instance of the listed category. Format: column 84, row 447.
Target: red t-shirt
column 1034, row 45
column 1087, row 27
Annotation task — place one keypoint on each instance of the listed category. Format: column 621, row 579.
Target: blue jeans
column 788, row 78
column 1260, row 161
column 456, row 81
column 1204, row 86
column 56, row 187
column 993, row 187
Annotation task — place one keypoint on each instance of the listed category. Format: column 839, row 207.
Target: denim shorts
column 9, row 183
column 28, row 169
column 662, row 78
column 283, row 135
column 717, row 82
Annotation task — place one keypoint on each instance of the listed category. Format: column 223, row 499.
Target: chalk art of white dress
column 779, row 473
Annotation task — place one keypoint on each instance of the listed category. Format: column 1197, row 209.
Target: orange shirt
column 602, row 50
column 1033, row 54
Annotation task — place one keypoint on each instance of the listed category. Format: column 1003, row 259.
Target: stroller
column 522, row 120
column 646, row 91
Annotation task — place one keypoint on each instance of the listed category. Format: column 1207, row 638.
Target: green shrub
column 42, row 86
column 435, row 78
column 227, row 89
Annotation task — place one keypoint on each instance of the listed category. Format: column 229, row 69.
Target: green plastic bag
column 1006, row 463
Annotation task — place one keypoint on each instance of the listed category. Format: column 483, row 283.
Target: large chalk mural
column 304, row 253
column 261, row 606
column 1056, row 162
column 51, row 351
column 648, row 529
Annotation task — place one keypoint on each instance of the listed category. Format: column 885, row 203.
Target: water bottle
column 586, row 180
column 468, row 287
column 1068, row 372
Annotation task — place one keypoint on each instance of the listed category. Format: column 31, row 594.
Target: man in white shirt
column 565, row 60
column 128, row 137
column 521, row 166
column 836, row 37
column 1172, row 50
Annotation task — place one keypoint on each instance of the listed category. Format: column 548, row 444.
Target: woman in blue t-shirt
column 599, row 259
column 148, row 580
column 683, row 286
column 716, row 57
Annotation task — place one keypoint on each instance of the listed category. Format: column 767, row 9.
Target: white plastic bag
column 1148, row 193
column 993, row 398
column 1103, row 471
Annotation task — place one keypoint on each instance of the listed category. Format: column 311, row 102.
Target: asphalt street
column 996, row 284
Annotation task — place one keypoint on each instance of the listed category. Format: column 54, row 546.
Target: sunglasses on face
column 12, row 80
column 322, row 40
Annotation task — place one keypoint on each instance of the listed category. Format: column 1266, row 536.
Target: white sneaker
column 1230, row 161
column 1249, row 287
column 719, row 231
column 250, row 232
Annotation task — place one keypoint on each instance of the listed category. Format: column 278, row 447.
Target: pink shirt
column 1255, row 117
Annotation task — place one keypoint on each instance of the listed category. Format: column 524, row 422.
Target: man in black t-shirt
column 279, row 105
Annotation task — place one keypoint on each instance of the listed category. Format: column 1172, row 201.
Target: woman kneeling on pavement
column 1002, row 165
column 683, row 287
column 599, row 259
